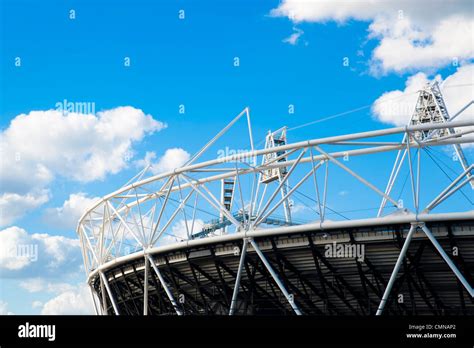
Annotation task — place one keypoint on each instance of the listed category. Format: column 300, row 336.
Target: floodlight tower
column 274, row 140
column 430, row 109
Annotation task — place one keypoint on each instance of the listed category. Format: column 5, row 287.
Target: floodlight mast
column 430, row 108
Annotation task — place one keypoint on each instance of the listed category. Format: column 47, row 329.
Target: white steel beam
column 109, row 292
column 304, row 144
column 280, row 186
column 393, row 177
column 216, row 204
column 401, row 256
column 104, row 299
column 288, row 297
column 355, row 175
column 238, row 277
column 358, row 152
column 287, row 195
column 93, row 300
column 447, row 191
column 221, row 133
column 165, row 286
column 446, row 258
column 145, row 287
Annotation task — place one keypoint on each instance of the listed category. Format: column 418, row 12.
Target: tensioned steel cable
column 315, row 201
column 330, row 117
column 344, row 113
column 406, row 179
column 192, row 206
column 442, row 162
column 403, row 186
column 440, row 168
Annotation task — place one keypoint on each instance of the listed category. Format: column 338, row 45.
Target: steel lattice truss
column 252, row 192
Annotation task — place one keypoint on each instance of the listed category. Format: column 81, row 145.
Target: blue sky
column 190, row 62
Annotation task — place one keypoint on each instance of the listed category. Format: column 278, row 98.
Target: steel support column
column 446, row 258
column 145, row 287
column 275, row 277
column 165, row 286
column 109, row 292
column 239, row 276
column 388, row 289
column 93, row 300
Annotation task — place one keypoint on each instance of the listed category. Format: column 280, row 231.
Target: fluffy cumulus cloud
column 13, row 205
column 67, row 299
column 23, row 254
column 41, row 145
column 411, row 34
column 75, row 301
column 172, row 159
column 69, row 213
column 396, row 107
column 34, row 285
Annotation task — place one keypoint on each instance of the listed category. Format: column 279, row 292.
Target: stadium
column 221, row 236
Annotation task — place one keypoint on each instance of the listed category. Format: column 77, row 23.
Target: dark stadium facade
column 202, row 277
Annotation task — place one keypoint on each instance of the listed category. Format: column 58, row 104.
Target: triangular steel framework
column 131, row 222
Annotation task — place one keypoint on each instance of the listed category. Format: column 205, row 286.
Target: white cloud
column 23, row 254
column 34, row 285
column 41, row 145
column 69, row 213
column 411, row 34
column 433, row 49
column 13, row 206
column 150, row 156
column 4, row 308
column 301, row 209
column 77, row 146
column 294, row 37
column 457, row 92
column 396, row 107
column 71, row 302
column 172, row 159
column 68, row 298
